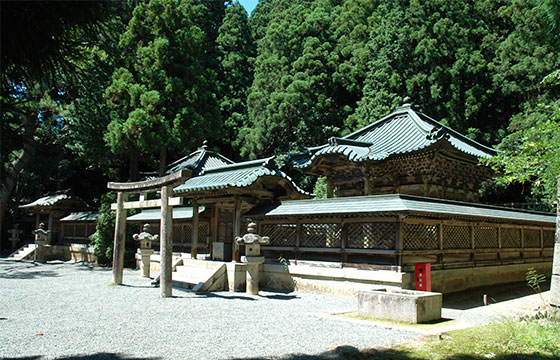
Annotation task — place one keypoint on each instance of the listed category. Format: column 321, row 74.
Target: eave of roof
column 401, row 132
column 155, row 214
column 81, row 216
column 397, row 203
column 238, row 175
column 50, row 201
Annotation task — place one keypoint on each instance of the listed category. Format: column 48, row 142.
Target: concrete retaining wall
column 453, row 280
column 73, row 252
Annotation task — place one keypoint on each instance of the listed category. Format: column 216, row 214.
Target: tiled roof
column 396, row 203
column 403, row 131
column 155, row 214
column 46, row 201
column 237, row 175
column 81, row 216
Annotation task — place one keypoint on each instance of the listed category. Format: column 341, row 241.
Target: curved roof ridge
column 457, row 134
column 240, row 165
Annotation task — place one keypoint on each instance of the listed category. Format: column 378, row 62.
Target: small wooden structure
column 77, row 227
column 52, row 208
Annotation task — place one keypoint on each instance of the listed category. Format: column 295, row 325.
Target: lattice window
column 532, row 238
column 372, row 236
column 280, row 234
column 321, row 235
column 548, row 238
column 511, row 237
column 420, row 237
column 456, row 237
column 485, row 237
column 182, row 233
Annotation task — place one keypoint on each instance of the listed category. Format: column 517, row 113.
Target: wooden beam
column 120, row 233
column 236, row 230
column 174, row 201
column 166, row 243
column 143, row 186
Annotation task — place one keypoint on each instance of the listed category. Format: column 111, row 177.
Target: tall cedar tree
column 237, row 50
column 165, row 97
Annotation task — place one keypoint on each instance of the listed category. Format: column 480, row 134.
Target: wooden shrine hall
column 401, row 190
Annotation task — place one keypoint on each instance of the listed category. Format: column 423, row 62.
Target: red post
column 423, row 276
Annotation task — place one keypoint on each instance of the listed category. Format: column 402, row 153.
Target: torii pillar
column 165, row 184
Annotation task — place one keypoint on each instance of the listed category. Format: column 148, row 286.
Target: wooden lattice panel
column 182, row 233
column 80, row 230
column 511, row 237
column 321, row 235
column 280, row 234
column 532, row 238
column 548, row 238
column 485, row 237
column 420, row 237
column 372, row 236
column 456, row 237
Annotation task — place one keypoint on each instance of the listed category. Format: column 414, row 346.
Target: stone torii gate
column 166, row 202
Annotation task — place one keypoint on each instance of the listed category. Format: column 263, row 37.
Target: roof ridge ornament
column 204, row 145
column 333, row 141
column 437, row 133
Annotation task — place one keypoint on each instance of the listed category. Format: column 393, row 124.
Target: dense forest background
column 98, row 91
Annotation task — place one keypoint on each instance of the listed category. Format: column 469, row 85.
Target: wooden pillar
column 37, row 220
column 50, row 227
column 366, row 185
column 166, row 243
column 120, row 233
column 194, row 245
column 213, row 228
column 236, row 230
column 330, row 188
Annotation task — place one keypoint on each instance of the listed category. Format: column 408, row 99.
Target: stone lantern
column 14, row 236
column 41, row 239
column 145, row 250
column 253, row 257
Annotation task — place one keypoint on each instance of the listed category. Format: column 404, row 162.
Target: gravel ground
column 62, row 310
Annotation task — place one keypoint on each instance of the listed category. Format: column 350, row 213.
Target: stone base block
column 555, row 290
column 408, row 306
column 236, row 276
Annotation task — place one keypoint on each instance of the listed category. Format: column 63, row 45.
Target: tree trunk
column 15, row 167
column 162, row 160
column 133, row 173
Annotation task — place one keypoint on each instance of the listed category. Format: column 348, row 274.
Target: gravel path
column 62, row 310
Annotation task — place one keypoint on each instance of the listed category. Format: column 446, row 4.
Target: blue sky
column 249, row 5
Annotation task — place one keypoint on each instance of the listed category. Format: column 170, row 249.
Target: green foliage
column 103, row 238
column 237, row 50
column 531, row 153
column 507, row 339
column 164, row 97
column 320, row 189
column 534, row 280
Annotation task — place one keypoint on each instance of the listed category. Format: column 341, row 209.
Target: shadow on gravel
column 232, row 297
column 27, row 270
column 346, row 352
column 470, row 299
column 98, row 356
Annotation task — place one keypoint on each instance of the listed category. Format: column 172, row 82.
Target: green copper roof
column 184, row 212
column 396, row 203
column 81, row 216
column 236, row 175
column 197, row 161
column 403, row 131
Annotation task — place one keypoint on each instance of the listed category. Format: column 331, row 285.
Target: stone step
column 23, row 252
column 209, row 264
column 200, row 279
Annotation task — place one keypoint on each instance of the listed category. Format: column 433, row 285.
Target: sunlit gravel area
column 63, row 310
